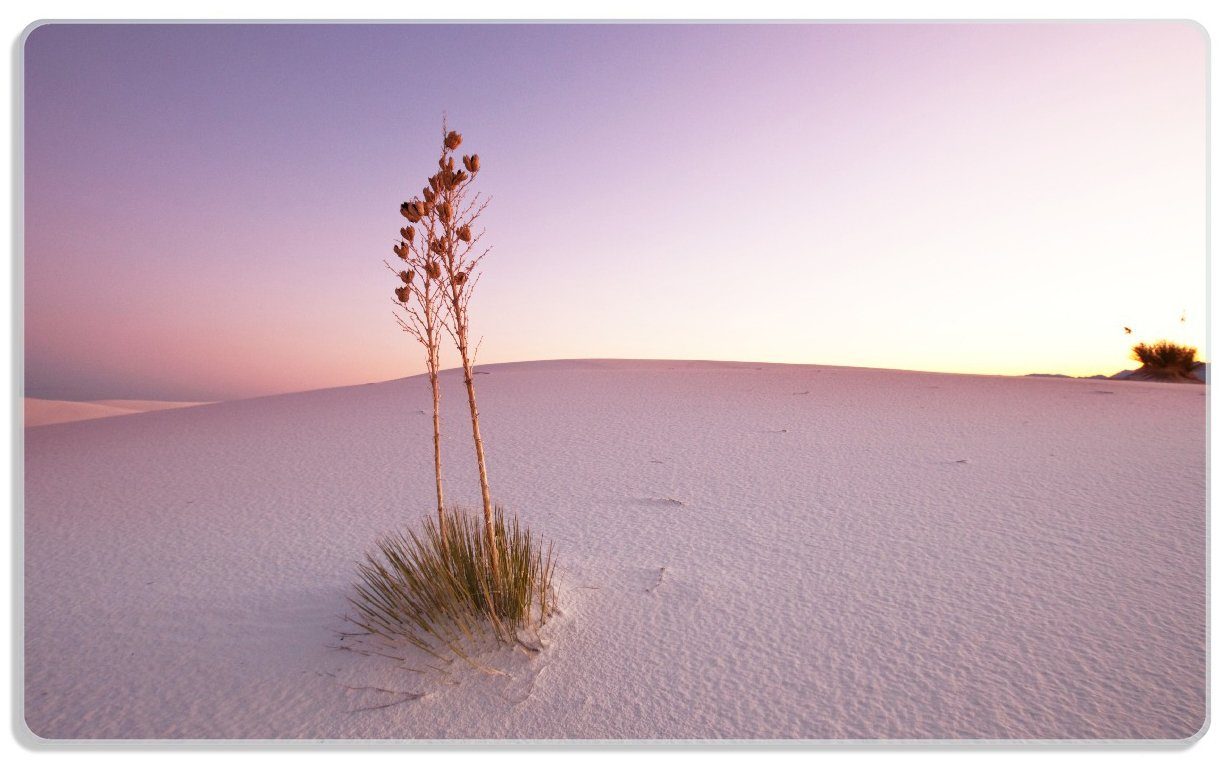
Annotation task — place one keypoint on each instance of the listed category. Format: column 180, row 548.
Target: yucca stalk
column 458, row 209
column 433, row 377
column 446, row 213
column 422, row 320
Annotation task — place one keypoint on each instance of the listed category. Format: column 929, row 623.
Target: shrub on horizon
column 1164, row 358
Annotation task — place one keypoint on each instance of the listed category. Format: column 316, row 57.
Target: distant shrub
column 1165, row 358
column 438, row 592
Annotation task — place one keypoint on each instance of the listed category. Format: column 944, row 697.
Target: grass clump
column 1165, row 359
column 439, row 591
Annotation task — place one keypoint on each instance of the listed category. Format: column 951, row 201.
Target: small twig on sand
column 365, row 652
column 658, row 582
column 407, row 696
column 528, row 647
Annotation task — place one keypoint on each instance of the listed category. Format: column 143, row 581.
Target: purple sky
column 208, row 206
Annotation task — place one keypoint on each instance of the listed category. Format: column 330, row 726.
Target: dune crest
column 41, row 412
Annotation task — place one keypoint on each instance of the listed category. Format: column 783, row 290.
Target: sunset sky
column 207, row 207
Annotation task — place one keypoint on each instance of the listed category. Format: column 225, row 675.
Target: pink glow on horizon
column 207, row 206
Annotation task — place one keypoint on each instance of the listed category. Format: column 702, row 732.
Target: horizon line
column 1043, row 374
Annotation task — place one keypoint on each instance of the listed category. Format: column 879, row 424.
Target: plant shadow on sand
column 374, row 673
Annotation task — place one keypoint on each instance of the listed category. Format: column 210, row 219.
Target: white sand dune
column 42, row 412
column 746, row 551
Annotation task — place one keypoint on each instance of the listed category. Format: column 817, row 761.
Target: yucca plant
column 463, row 577
column 443, row 590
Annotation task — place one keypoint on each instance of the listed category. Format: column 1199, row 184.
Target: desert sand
column 745, row 551
column 42, row 412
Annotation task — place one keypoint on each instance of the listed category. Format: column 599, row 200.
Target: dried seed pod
column 407, row 233
column 407, row 211
column 434, row 182
column 406, row 276
column 442, row 164
column 419, row 208
column 401, row 249
column 445, row 211
column 429, row 195
column 432, row 269
column 438, row 246
column 403, row 293
column 459, row 176
column 452, row 140
column 463, row 233
column 471, row 163
column 460, row 278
